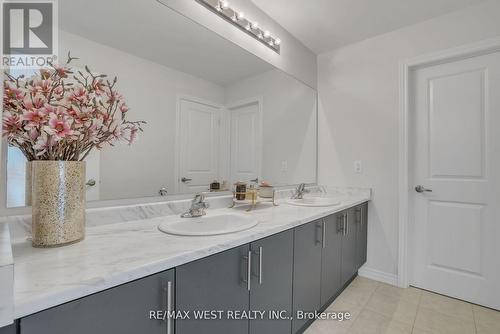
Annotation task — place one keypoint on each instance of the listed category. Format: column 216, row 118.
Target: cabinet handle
column 249, row 270
column 318, row 226
column 260, row 265
column 259, row 274
column 343, row 224
column 340, row 224
column 324, row 235
column 168, row 291
column 346, row 223
column 361, row 216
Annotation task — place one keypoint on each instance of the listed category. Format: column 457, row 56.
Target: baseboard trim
column 378, row 275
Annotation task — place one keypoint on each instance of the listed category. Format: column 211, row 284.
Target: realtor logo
column 29, row 33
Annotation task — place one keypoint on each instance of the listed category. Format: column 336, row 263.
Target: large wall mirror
column 213, row 110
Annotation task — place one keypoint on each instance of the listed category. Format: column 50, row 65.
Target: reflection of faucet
column 163, row 192
column 300, row 191
column 198, row 206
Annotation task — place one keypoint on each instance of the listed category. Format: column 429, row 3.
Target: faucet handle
column 198, row 198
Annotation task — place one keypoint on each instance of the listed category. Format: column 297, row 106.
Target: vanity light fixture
column 237, row 18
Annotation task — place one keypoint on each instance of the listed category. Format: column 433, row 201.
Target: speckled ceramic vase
column 58, row 202
column 28, row 184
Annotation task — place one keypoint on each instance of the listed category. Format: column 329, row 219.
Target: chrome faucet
column 300, row 191
column 198, row 206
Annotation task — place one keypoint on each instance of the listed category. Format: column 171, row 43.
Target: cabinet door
column 331, row 258
column 271, row 290
column 214, row 283
column 349, row 249
column 11, row 329
column 307, row 271
column 124, row 309
column 361, row 233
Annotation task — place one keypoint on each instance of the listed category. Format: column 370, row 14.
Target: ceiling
column 323, row 25
column 150, row 30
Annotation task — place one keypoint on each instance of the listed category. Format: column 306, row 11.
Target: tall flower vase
column 28, row 184
column 58, row 202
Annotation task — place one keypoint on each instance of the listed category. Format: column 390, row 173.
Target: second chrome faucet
column 198, row 207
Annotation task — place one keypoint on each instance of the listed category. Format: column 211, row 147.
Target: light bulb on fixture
column 226, row 10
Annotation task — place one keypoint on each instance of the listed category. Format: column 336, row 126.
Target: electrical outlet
column 284, row 166
column 358, row 167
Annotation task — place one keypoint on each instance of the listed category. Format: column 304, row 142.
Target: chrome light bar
column 238, row 19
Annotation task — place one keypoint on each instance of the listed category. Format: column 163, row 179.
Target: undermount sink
column 315, row 201
column 211, row 224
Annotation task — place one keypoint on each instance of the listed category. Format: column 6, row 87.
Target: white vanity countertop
column 6, row 277
column 117, row 253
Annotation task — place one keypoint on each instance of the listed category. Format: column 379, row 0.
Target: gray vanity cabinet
column 301, row 269
column 218, row 282
column 271, row 288
column 361, row 233
column 307, row 271
column 331, row 257
column 11, row 329
column 124, row 309
column 349, row 245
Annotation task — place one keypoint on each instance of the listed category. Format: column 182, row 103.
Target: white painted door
column 198, row 146
column 455, row 229
column 93, row 168
column 246, row 141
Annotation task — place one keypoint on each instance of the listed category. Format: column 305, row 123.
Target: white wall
column 358, row 119
column 295, row 58
column 289, row 125
column 150, row 91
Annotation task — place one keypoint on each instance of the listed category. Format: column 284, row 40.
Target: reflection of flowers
column 62, row 114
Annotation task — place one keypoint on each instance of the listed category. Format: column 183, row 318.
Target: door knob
column 184, row 179
column 163, row 192
column 91, row 183
column 421, row 189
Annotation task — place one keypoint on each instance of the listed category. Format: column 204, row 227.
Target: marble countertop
column 113, row 254
column 6, row 277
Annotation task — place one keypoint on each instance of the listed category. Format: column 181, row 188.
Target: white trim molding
column 405, row 70
column 378, row 275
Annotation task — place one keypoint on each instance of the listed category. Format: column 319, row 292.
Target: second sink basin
column 315, row 201
column 211, row 224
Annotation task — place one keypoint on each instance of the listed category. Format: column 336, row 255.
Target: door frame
column 177, row 149
column 406, row 69
column 259, row 99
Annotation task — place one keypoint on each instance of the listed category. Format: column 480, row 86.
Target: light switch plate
column 284, row 166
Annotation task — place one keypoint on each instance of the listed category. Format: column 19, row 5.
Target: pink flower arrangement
column 58, row 114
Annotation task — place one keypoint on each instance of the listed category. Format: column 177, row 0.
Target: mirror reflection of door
column 246, row 142
column 199, row 133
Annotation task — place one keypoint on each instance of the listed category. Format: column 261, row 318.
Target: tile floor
column 378, row 308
